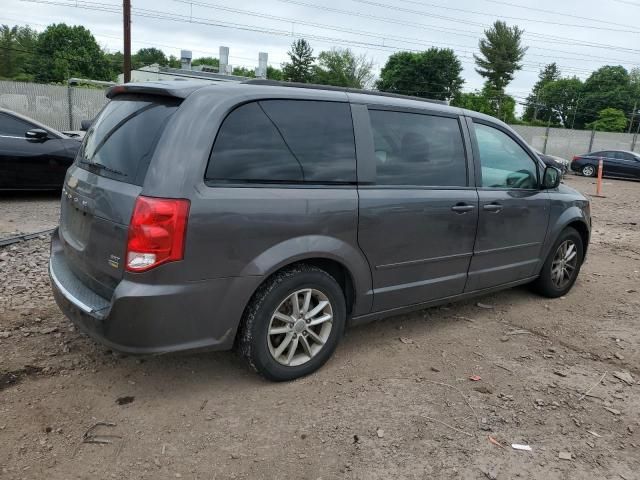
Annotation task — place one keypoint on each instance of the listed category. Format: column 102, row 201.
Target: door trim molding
column 421, row 261
column 506, row 249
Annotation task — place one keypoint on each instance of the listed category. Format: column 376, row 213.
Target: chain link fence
column 58, row 106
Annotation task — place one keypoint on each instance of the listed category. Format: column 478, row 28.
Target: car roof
column 34, row 122
column 183, row 88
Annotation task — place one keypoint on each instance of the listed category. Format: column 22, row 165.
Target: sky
column 579, row 35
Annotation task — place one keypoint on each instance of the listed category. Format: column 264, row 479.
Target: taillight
column 156, row 232
column 575, row 157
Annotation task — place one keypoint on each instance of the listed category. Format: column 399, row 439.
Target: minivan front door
column 513, row 213
column 417, row 218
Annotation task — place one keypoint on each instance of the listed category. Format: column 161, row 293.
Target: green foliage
column 174, row 62
column 149, row 56
column 561, row 98
column 63, row 52
column 434, row 73
column 488, row 101
column 609, row 120
column 274, row 73
column 342, row 68
column 607, row 87
column 500, row 55
column 210, row 61
column 16, row 47
column 244, row 72
column 300, row 66
column 535, row 101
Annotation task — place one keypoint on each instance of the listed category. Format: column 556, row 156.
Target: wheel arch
column 341, row 260
column 573, row 217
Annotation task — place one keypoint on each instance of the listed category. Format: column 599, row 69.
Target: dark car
column 269, row 217
column 32, row 155
column 553, row 161
column 615, row 163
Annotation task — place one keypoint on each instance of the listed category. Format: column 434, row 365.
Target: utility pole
column 126, row 17
column 575, row 110
column 633, row 115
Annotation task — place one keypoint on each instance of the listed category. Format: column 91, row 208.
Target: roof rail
column 314, row 86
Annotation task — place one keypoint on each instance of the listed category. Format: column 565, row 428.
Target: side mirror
column 85, row 124
column 551, row 178
column 36, row 134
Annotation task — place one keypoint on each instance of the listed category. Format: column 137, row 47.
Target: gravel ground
column 396, row 401
column 28, row 212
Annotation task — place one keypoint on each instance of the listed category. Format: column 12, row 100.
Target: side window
column 417, row 149
column 285, row 141
column 505, row 164
column 12, row 126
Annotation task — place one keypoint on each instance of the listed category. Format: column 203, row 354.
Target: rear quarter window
column 122, row 139
column 285, row 141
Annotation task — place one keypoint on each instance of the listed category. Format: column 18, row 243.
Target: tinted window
column 121, row 141
column 505, row 164
column 416, row 149
column 285, row 141
column 12, row 126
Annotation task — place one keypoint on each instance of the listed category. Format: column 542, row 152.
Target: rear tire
column 283, row 342
column 589, row 171
column 562, row 266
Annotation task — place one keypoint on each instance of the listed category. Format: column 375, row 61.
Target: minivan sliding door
column 418, row 213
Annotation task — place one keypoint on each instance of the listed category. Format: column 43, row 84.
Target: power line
column 84, row 4
column 366, row 33
column 547, row 37
column 553, row 12
column 634, row 29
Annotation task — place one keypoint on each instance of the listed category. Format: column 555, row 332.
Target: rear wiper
column 100, row 166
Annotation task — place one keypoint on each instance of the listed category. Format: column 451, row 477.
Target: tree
column 274, row 73
column 174, row 62
column 244, row 72
column 607, row 87
column 342, row 68
column 501, row 53
column 16, row 52
column 561, row 98
column 149, row 56
column 535, row 107
column 609, row 120
column 300, row 67
column 434, row 73
column 209, row 61
column 63, row 52
column 488, row 101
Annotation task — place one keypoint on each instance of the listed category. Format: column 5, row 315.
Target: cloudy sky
column 579, row 35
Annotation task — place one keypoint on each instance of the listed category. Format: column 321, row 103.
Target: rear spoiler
column 176, row 88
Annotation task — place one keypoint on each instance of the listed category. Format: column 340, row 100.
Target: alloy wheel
column 588, row 171
column 565, row 262
column 300, row 327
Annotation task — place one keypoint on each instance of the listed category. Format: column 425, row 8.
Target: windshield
column 121, row 141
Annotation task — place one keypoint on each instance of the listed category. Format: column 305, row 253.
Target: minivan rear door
column 419, row 210
column 102, row 186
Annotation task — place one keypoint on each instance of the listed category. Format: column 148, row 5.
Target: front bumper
column 145, row 318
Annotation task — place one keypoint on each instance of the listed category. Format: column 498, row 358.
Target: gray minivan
column 269, row 216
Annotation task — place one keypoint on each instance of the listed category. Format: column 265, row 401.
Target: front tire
column 562, row 266
column 293, row 323
column 589, row 171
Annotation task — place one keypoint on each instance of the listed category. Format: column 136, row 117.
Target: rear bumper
column 147, row 319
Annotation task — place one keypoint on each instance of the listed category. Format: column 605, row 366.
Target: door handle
column 492, row 207
column 462, row 208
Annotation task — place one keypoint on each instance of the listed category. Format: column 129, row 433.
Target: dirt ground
column 396, row 400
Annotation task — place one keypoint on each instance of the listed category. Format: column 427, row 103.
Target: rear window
column 121, row 141
column 285, row 141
